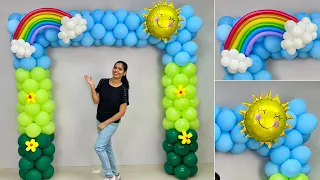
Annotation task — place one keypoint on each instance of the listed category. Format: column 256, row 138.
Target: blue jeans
column 104, row 150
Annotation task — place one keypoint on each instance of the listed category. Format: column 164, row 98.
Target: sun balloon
column 265, row 119
column 162, row 21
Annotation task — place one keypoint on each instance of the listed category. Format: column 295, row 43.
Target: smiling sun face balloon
column 266, row 119
column 162, row 21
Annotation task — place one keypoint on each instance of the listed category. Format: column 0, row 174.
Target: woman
column 112, row 98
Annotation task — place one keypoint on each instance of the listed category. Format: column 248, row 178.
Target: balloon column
column 168, row 28
column 273, row 129
column 250, row 40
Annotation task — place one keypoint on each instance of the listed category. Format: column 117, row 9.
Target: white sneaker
column 110, row 178
column 118, row 177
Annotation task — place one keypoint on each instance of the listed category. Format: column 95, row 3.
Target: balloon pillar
column 168, row 28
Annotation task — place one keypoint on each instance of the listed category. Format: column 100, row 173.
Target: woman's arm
column 94, row 95
column 116, row 117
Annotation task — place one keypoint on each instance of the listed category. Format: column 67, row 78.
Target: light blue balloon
column 109, row 21
column 228, row 77
column 166, row 59
column 216, row 110
column 97, row 15
column 306, row 123
column 314, row 52
column 264, row 151
column 279, row 142
column 226, row 20
column 306, row 137
column 120, row 31
column 42, row 40
column 44, row 62
column 306, row 169
column 303, row 55
column 108, row 12
column 74, row 12
column 22, row 16
column 62, row 44
column 16, row 63
column 286, row 55
column 315, row 15
column 119, row 43
column 173, row 48
column 293, row 139
column 193, row 35
column 318, row 30
column 98, row 31
column 14, row 16
column 142, row 44
column 97, row 42
column 12, row 26
column 90, row 21
column 28, row 63
column 292, row 122
column 261, row 39
column 238, row 148
column 87, row 40
column 222, row 32
column 236, row 20
column 224, row 143
column 187, row 11
column 131, row 39
column 253, row 144
column 173, row 38
column 141, row 34
column 194, row 24
column 262, row 75
column 297, row 106
column 291, row 168
column 121, row 15
column 109, row 39
column 280, row 154
column 184, row 36
column 237, row 136
column 243, row 76
column 270, row 169
column 182, row 23
column 272, row 44
column 306, row 48
column 78, row 38
column 256, row 64
column 301, row 153
column 76, row 44
column 301, row 15
column 226, row 120
column 237, row 113
column 142, row 19
column 54, row 44
column 182, row 58
column 260, row 50
column 51, row 35
column 85, row 12
column 132, row 22
column 39, row 50
column 190, row 47
column 217, row 132
column 225, row 109
column 193, row 59
column 276, row 56
column 161, row 45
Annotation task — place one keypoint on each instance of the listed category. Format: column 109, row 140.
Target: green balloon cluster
column 181, row 158
column 180, row 99
column 35, row 106
column 279, row 176
column 36, row 165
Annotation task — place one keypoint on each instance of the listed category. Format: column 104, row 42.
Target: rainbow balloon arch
column 250, row 40
column 168, row 28
column 271, row 128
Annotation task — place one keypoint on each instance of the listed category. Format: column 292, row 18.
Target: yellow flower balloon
column 266, row 119
column 32, row 145
column 31, row 98
column 162, row 21
column 185, row 137
column 181, row 92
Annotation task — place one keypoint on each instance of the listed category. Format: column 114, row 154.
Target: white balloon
column 27, row 53
column 314, row 35
column 233, row 53
column 242, row 67
column 81, row 21
column 310, row 27
column 289, row 24
column 225, row 61
column 14, row 48
column 241, row 57
column 291, row 51
column 296, row 31
column 225, row 53
column 20, row 42
column 287, row 35
column 19, row 55
column 285, row 44
column 297, row 43
column 232, row 71
column 233, row 64
column 26, row 45
column 306, row 37
column 71, row 34
column 71, row 25
column 66, row 40
column 315, row 27
column 65, row 20
column 21, row 51
column 78, row 30
column 14, row 42
column 63, row 28
column 248, row 62
column 306, row 20
column 62, row 35
column 78, row 16
column 33, row 49
column 302, row 25
column 75, row 20
column 84, row 28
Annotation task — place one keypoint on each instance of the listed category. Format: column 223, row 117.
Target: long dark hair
column 124, row 79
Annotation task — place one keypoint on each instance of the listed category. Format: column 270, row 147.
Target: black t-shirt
column 110, row 100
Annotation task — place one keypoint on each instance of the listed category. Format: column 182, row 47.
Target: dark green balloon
column 172, row 136
column 48, row 173
column 33, row 156
column 194, row 135
column 23, row 174
column 167, row 147
column 43, row 140
column 173, row 159
column 34, row 174
column 50, row 150
column 193, row 170
column 43, row 163
column 22, row 140
column 168, row 168
column 194, row 147
column 181, row 149
column 22, row 151
column 51, row 158
column 52, row 136
column 25, row 164
column 190, row 160
column 182, row 172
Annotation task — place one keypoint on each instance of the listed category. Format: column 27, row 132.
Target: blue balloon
column 141, row 34
column 39, row 50
column 301, row 15
column 193, row 35
column 306, row 169
column 62, row 44
column 184, row 36
column 182, row 23
column 187, row 11
column 226, row 120
column 224, row 144
column 264, row 151
column 291, row 168
column 190, row 47
column 236, row 112
column 87, row 40
column 253, row 144
column 228, row 77
column 14, row 16
column 98, row 31
column 132, row 22
column 315, row 15
column 306, row 123
column 109, row 39
column 262, row 75
column 243, row 76
column 131, row 39
column 41, row 39
column 119, row 43
column 276, row 56
column 225, row 109
column 74, row 12
column 306, row 137
column 121, row 15
column 216, row 110
column 301, row 153
column 279, row 142
column 97, row 15
column 261, row 39
column 182, row 58
column 226, row 20
column 16, row 63
column 12, row 26
column 297, row 106
column 256, row 64
column 22, row 16
column 85, row 12
column 237, row 136
column 120, row 31
column 142, row 44
column 194, row 24
column 193, row 59
column 318, row 30
column 236, row 20
column 153, row 40
column 303, row 55
column 109, row 21
column 292, row 122
column 173, row 38
column 272, row 44
column 161, row 45
column 51, row 35
column 28, row 63
column 217, row 132
column 306, row 48
column 222, row 32
column 97, row 42
column 90, row 21
column 270, row 169
column 76, row 44
column 260, row 50
column 166, row 59
column 173, row 48
column 142, row 19
column 293, row 139
column 44, row 62
column 78, row 38
column 314, row 52
column 238, row 148
column 286, row 55
column 108, row 12
column 54, row 44
column 280, row 154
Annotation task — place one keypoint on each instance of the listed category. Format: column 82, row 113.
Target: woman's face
column 118, row 71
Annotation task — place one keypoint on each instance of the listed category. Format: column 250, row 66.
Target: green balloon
column 166, row 81
column 49, row 151
column 22, row 97
column 51, row 137
column 22, row 141
column 20, row 108
column 173, row 114
column 191, row 91
column 300, row 177
column 181, row 103
column 278, row 176
column 34, row 174
column 168, row 168
column 182, row 172
column 48, row 173
column 169, row 92
column 22, row 151
column 51, row 158
column 190, row 114
column 173, row 159
column 43, row 140
column 42, row 96
column 51, row 116
column 38, row 73
column 23, row 174
column 167, row 124
column 47, row 73
column 194, row 102
column 172, row 69
column 166, row 102
column 24, row 119
column 45, row 84
column 181, row 125
column 189, row 70
column 172, row 136
column 180, row 80
column 33, row 130
column 21, row 129
column 194, row 146
column 190, row 160
column 181, row 149
column 30, row 85
column 193, row 80
column 43, row 163
column 194, row 124
column 33, row 156
column 19, row 86
column 49, row 128
column 166, row 146
column 48, row 106
column 32, row 109
column 194, row 133
column 21, row 75
column 42, row 118
column 193, row 170
column 25, row 164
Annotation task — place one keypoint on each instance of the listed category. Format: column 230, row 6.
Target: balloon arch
column 168, row 28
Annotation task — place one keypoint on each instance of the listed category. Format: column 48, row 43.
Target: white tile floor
column 146, row 172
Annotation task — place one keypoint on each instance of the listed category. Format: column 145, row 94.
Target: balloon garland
column 248, row 41
column 32, row 33
column 274, row 129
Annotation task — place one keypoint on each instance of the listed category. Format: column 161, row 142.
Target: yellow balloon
column 265, row 119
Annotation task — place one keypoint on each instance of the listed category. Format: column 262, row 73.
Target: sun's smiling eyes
column 277, row 116
column 262, row 110
column 171, row 18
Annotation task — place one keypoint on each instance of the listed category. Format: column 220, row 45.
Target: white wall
column 139, row 137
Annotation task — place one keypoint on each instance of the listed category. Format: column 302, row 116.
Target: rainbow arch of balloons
column 34, row 32
column 265, row 34
column 289, row 158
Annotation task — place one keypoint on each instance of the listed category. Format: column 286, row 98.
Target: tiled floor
column 147, row 172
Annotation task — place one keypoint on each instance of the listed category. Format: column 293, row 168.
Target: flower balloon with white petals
column 72, row 27
column 235, row 61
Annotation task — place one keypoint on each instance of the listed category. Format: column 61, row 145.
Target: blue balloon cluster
column 267, row 47
column 117, row 28
column 288, row 156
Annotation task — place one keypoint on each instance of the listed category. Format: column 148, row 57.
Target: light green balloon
column 191, row 91
column 30, row 86
column 189, row 70
column 193, row 80
column 49, row 128
column 42, row 96
column 181, row 125
column 32, row 109
column 167, row 124
column 194, row 102
column 19, row 86
column 173, row 114
column 190, row 114
column 166, row 102
column 49, row 94
column 180, row 80
column 278, row 176
column 300, row 177
column 47, row 73
column 22, row 97
column 169, row 92
column 24, row 119
column 38, row 74
column 172, row 69
column 20, row 108
column 21, row 75
column 194, row 124
column 166, row 81
column 42, row 118
column 45, row 84
column 21, row 129
column 51, row 116
column 48, row 106
column 181, row 103
column 33, row 130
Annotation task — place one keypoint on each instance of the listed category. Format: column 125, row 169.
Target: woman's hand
column 89, row 79
column 102, row 126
